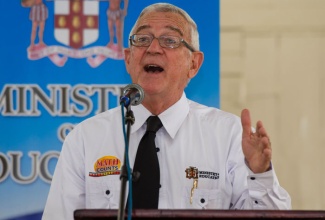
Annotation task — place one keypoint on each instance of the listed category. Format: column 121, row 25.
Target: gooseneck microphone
column 133, row 94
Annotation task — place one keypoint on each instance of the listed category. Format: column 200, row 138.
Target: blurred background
column 272, row 59
column 48, row 87
column 273, row 63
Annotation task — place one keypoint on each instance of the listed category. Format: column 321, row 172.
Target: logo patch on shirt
column 107, row 165
column 194, row 173
column 208, row 175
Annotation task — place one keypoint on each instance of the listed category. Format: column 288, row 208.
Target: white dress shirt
column 193, row 136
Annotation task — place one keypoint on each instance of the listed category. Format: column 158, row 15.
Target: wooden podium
column 96, row 214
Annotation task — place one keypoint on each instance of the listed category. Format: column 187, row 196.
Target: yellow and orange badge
column 107, row 165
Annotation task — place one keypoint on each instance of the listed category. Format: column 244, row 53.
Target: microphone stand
column 129, row 120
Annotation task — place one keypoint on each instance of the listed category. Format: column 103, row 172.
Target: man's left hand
column 256, row 145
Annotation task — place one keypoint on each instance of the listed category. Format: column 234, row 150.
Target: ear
column 127, row 58
column 196, row 63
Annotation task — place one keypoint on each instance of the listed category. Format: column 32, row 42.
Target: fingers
column 247, row 127
column 256, row 146
column 267, row 150
column 261, row 132
column 265, row 141
column 246, row 123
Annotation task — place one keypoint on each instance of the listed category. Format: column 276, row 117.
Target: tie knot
column 153, row 124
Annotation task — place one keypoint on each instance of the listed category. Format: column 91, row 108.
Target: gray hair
column 166, row 7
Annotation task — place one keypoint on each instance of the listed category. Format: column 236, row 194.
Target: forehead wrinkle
column 175, row 29
column 143, row 27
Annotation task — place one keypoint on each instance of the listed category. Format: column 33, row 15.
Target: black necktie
column 146, row 166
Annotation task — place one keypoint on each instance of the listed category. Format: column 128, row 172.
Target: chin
column 151, row 90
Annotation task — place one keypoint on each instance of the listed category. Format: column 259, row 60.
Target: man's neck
column 157, row 105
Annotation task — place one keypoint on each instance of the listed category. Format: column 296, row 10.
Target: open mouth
column 153, row 68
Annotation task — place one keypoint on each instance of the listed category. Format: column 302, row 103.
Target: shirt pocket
column 204, row 199
column 103, row 193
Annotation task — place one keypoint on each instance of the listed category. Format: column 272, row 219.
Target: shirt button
column 157, row 149
column 107, row 192
column 256, row 202
column 202, row 200
column 253, row 178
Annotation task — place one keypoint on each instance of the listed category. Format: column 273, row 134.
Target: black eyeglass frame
column 153, row 37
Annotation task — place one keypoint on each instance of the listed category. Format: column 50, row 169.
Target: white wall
column 273, row 62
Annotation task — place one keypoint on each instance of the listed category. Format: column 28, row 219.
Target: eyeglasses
column 145, row 40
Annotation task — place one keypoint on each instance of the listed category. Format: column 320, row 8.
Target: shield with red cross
column 76, row 22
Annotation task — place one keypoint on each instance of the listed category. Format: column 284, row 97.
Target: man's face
column 162, row 72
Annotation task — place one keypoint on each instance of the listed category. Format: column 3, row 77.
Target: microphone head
column 133, row 94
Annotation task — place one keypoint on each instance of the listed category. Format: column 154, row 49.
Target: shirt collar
column 172, row 118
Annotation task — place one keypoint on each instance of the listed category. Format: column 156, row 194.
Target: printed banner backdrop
column 58, row 67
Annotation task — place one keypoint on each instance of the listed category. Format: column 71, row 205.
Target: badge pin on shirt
column 192, row 173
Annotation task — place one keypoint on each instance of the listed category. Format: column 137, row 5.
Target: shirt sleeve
column 258, row 191
column 265, row 191
column 67, row 192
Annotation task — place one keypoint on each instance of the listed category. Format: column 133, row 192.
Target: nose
column 155, row 47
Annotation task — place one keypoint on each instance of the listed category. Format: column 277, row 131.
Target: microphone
column 133, row 94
